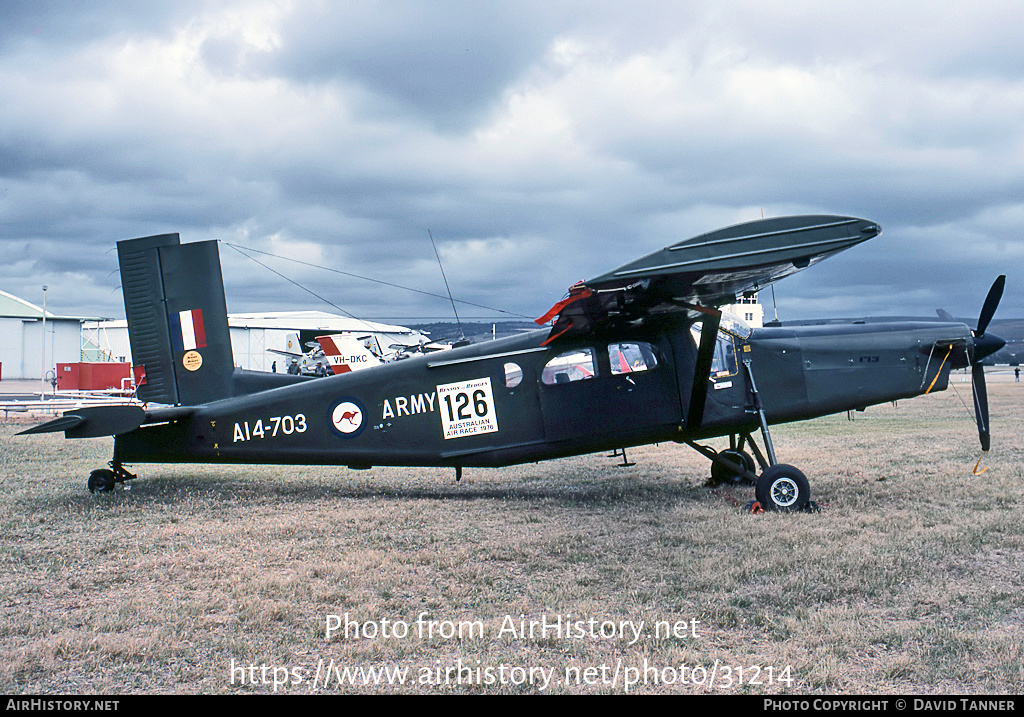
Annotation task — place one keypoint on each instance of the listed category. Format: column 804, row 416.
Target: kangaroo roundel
column 347, row 418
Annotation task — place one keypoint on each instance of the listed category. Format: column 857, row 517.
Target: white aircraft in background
column 350, row 352
column 345, row 352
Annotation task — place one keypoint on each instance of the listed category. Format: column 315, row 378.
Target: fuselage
column 517, row 400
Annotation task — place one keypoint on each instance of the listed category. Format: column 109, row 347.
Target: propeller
column 985, row 345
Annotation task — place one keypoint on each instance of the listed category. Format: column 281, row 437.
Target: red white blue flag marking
column 188, row 331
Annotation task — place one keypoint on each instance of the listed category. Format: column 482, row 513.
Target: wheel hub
column 784, row 492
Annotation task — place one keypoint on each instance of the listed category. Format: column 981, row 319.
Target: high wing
column 707, row 271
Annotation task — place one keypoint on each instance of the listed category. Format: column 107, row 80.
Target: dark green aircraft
column 636, row 356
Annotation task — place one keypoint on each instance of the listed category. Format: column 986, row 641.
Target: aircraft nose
column 986, row 345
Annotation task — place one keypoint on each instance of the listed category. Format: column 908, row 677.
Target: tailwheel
column 102, row 480
column 783, row 488
column 720, row 473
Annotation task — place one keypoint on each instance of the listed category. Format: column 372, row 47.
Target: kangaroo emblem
column 347, row 418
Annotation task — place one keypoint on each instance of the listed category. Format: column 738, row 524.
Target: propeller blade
column 988, row 309
column 981, row 404
column 944, row 315
column 984, row 346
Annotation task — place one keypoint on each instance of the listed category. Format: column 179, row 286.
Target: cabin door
column 619, row 388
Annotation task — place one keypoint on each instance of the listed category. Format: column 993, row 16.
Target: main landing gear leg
column 735, row 465
column 780, row 487
column 759, row 409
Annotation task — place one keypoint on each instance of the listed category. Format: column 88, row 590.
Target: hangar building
column 23, row 352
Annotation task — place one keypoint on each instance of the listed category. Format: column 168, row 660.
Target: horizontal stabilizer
column 94, row 422
column 64, row 423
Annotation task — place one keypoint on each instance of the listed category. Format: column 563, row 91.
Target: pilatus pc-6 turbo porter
column 636, row 356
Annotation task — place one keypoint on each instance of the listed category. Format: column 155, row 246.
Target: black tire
column 722, row 474
column 783, row 488
column 102, row 480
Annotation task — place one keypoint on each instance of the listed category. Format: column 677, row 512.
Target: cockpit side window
column 724, row 361
column 575, row 365
column 631, row 356
column 513, row 375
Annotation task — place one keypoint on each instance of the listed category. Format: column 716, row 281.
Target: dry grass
column 908, row 581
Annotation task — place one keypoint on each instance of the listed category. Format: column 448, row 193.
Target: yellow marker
column 976, row 471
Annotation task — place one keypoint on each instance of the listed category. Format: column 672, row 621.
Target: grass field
column 207, row 579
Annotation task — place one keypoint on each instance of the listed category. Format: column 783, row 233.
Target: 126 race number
column 467, row 408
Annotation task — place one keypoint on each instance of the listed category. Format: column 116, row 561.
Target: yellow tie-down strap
column 976, row 471
column 939, row 369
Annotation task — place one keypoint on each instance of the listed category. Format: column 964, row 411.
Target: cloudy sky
column 538, row 142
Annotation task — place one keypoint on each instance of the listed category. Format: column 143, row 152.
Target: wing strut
column 702, row 371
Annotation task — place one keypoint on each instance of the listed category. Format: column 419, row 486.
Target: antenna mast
column 462, row 333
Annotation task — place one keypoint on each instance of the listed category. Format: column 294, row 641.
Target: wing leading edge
column 708, row 270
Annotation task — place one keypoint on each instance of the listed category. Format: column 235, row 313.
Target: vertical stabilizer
column 177, row 318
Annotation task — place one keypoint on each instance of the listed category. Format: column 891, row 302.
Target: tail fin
column 177, row 318
column 346, row 353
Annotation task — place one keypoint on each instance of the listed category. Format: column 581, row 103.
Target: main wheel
column 783, row 488
column 722, row 474
column 101, row 480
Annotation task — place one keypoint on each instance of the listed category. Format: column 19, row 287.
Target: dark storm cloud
column 539, row 142
column 445, row 62
column 60, row 26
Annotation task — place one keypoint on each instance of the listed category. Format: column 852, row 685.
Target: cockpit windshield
column 735, row 326
column 731, row 328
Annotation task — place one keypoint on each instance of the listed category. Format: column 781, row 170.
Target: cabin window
column 575, row 365
column 723, row 362
column 632, row 356
column 513, row 375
